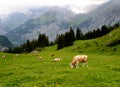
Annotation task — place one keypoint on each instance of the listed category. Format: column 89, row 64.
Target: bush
column 114, row 43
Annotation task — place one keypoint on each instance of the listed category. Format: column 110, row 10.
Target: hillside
column 27, row 70
column 101, row 45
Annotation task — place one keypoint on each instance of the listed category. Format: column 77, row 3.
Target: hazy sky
column 7, row 6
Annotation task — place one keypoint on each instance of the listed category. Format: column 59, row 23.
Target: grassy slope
column 28, row 71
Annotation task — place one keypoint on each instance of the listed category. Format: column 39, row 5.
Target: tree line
column 62, row 40
column 100, row 32
column 67, row 39
column 29, row 46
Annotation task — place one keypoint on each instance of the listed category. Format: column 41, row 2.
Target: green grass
column 26, row 70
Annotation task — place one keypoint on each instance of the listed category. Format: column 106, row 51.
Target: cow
column 79, row 59
column 4, row 56
column 40, row 58
column 57, row 59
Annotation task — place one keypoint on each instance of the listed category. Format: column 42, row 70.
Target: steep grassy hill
column 109, row 44
column 27, row 70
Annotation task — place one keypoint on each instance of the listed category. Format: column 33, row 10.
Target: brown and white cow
column 79, row 59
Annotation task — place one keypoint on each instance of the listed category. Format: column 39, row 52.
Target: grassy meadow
column 27, row 70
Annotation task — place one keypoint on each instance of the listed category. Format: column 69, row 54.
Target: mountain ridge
column 5, row 43
column 106, row 14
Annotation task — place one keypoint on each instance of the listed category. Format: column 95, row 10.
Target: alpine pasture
column 27, row 70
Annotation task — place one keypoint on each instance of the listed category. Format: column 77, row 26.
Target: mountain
column 55, row 20
column 4, row 43
column 15, row 19
column 2, row 29
column 106, row 14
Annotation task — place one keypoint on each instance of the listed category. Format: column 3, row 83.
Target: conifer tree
column 72, row 35
column 60, row 41
column 68, row 39
column 28, row 47
column 42, row 41
column 79, row 34
column 104, row 29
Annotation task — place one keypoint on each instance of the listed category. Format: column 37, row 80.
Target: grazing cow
column 17, row 54
column 40, row 58
column 57, row 59
column 79, row 58
column 4, row 56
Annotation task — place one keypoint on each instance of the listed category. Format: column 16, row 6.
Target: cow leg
column 83, row 64
column 77, row 64
column 86, row 64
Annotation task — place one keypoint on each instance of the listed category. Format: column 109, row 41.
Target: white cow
column 79, row 58
column 57, row 59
